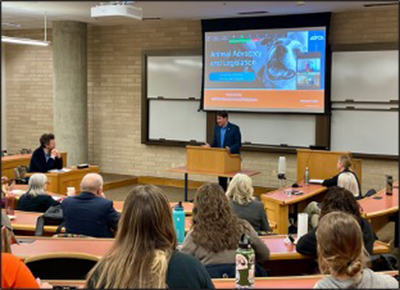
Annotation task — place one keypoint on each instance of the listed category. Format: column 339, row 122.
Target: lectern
column 212, row 160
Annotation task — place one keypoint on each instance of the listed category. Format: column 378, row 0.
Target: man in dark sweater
column 337, row 199
column 46, row 157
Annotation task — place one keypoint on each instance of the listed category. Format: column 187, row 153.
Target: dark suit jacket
column 38, row 162
column 233, row 138
column 89, row 215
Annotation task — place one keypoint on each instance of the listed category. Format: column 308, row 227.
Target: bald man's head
column 92, row 182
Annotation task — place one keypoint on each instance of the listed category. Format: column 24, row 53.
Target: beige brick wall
column 114, row 95
column 29, row 95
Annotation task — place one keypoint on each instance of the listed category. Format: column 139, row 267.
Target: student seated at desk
column 348, row 177
column 216, row 231
column 36, row 199
column 46, row 157
column 341, row 254
column 337, row 199
column 241, row 200
column 144, row 253
column 90, row 213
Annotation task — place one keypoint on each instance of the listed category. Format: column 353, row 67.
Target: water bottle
column 245, row 264
column 389, row 185
column 178, row 216
column 306, row 177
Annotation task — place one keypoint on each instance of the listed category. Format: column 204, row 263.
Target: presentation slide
column 279, row 70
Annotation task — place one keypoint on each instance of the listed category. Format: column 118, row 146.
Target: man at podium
column 226, row 135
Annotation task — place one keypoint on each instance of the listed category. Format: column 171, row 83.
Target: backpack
column 383, row 262
column 52, row 217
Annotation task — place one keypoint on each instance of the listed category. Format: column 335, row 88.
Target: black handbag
column 52, row 217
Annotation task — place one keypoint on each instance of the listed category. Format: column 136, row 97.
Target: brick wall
column 114, row 95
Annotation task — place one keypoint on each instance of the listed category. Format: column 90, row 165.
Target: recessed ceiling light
column 300, row 3
column 15, row 25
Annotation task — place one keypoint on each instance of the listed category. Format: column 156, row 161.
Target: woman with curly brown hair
column 215, row 232
column 337, row 199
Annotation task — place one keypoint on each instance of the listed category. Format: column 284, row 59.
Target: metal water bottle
column 245, row 264
column 178, row 216
column 306, row 177
column 389, row 185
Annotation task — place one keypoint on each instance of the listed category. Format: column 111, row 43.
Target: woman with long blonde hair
column 341, row 254
column 143, row 254
column 240, row 194
column 216, row 231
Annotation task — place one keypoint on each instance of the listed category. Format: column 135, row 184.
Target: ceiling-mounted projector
column 116, row 10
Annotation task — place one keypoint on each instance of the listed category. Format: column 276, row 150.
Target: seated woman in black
column 337, row 199
column 36, row 199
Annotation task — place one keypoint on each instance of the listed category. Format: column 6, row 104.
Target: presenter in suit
column 226, row 135
column 46, row 157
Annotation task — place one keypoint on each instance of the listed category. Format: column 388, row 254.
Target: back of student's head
column 36, row 184
column 215, row 227
column 240, row 189
column 340, row 199
column 345, row 161
column 144, row 243
column 348, row 181
column 340, row 245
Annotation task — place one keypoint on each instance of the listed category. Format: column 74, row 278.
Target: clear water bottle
column 178, row 216
column 245, row 264
column 389, row 185
column 306, row 177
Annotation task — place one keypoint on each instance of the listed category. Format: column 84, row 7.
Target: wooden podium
column 212, row 160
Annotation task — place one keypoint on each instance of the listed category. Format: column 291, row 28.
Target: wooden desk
column 289, row 282
column 59, row 181
column 99, row 247
column 186, row 173
column 378, row 211
column 276, row 203
column 25, row 223
column 8, row 163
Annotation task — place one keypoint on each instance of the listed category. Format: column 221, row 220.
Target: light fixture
column 27, row 41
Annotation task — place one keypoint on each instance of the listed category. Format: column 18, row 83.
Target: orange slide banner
column 264, row 99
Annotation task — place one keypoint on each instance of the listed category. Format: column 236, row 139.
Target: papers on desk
column 60, row 170
column 56, row 198
column 18, row 192
column 11, row 217
column 316, row 181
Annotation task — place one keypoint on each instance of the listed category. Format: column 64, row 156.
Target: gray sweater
column 254, row 213
column 226, row 256
column 368, row 280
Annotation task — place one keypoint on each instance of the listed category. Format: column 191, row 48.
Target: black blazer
column 39, row 203
column 233, row 138
column 38, row 162
column 89, row 215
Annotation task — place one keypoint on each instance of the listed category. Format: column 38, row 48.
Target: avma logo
column 317, row 37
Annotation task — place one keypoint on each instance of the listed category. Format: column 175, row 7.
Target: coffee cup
column 71, row 191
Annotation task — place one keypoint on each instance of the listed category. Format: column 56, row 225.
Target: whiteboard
column 174, row 76
column 365, row 75
column 271, row 129
column 176, row 120
column 365, row 132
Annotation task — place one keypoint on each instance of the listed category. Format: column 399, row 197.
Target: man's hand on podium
column 227, row 148
column 206, row 145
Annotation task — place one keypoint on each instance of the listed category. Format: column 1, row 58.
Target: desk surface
column 279, row 196
column 183, row 169
column 294, row 282
column 26, row 221
column 388, row 204
column 99, row 247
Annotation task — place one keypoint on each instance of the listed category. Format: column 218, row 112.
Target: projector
column 116, row 10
